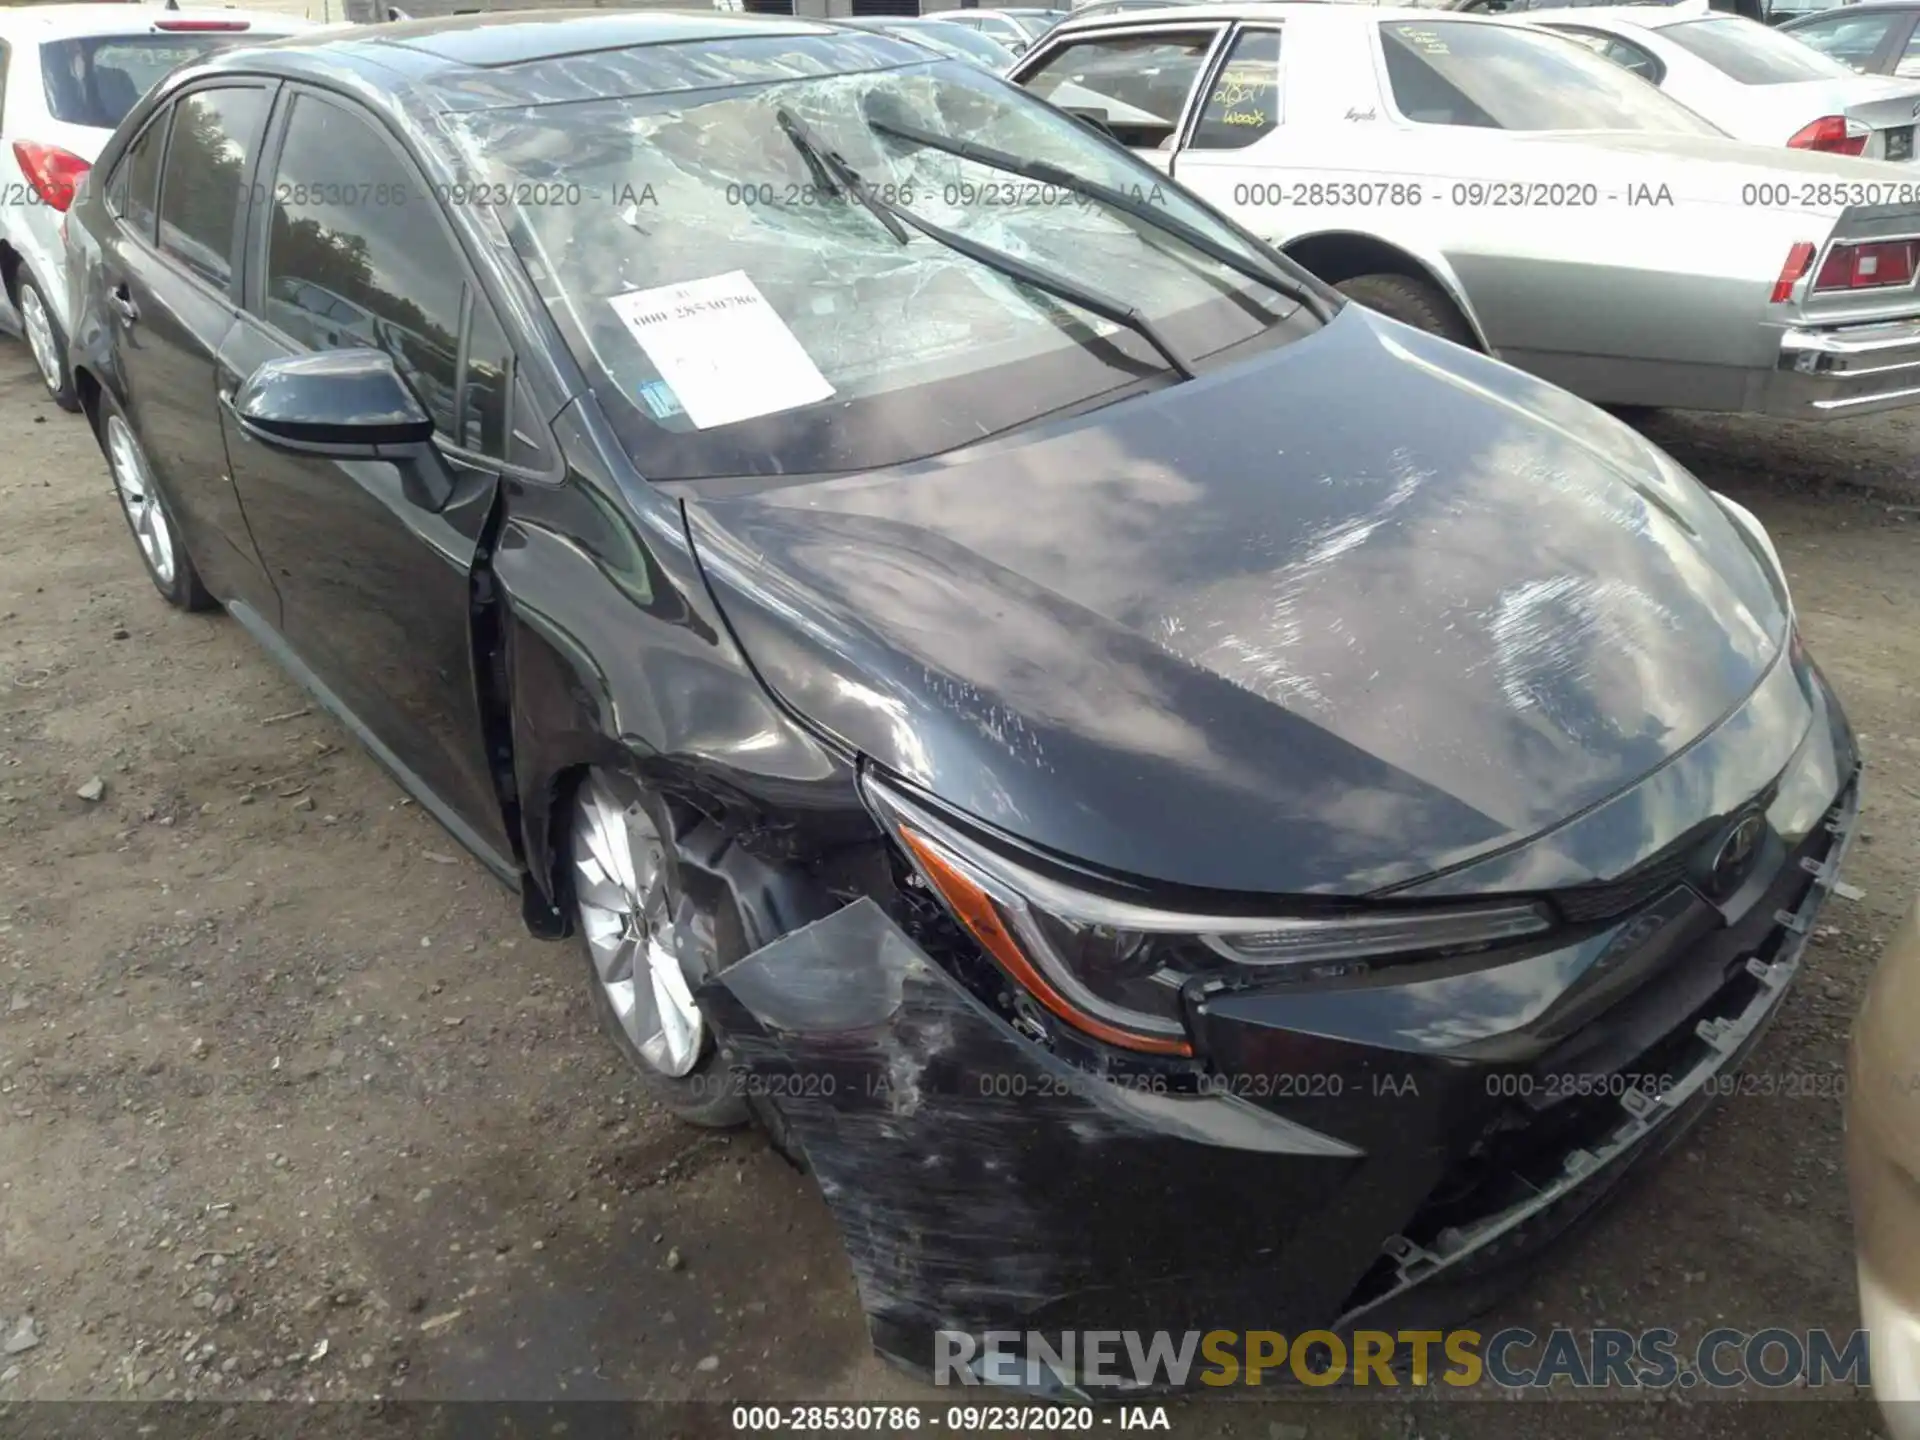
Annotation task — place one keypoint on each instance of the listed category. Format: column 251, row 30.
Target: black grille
column 769, row 7
column 886, row 7
column 1586, row 903
column 1525, row 1144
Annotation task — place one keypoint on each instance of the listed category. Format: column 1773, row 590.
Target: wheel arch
column 636, row 673
column 1336, row 255
column 771, row 894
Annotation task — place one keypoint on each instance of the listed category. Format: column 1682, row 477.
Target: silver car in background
column 1504, row 186
column 1754, row 83
column 1016, row 29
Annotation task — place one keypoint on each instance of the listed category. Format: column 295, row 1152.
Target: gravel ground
column 291, row 1109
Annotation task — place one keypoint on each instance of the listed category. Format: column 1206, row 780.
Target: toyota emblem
column 1736, row 854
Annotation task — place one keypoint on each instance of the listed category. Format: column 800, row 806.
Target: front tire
column 647, row 948
column 155, row 532
column 46, row 341
column 1412, row 302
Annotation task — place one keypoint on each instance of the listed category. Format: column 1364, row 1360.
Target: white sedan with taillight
column 1751, row 80
column 1503, row 186
column 68, row 73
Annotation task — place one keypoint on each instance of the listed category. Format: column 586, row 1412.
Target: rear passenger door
column 1283, row 175
column 349, row 249
column 1221, row 158
column 169, row 270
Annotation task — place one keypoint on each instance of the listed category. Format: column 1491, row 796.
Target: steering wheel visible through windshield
column 819, row 332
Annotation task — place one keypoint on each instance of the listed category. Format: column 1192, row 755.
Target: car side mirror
column 345, row 405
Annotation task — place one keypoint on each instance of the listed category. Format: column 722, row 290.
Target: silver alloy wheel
column 620, row 882
column 39, row 327
column 138, row 499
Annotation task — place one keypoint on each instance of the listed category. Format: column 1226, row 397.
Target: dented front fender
column 981, row 1184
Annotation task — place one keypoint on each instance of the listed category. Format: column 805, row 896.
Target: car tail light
column 1832, row 135
column 1799, row 258
column 51, row 171
column 178, row 25
column 1872, row 265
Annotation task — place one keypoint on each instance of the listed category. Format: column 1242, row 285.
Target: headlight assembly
column 1115, row 970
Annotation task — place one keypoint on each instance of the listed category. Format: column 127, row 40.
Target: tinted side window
column 357, row 254
column 1245, row 101
column 215, row 135
column 1137, row 84
column 485, row 383
column 136, row 180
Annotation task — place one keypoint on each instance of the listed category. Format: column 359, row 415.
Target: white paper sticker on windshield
column 724, row 351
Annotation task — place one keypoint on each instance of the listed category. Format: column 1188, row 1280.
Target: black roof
column 498, row 39
column 462, row 62
column 514, row 37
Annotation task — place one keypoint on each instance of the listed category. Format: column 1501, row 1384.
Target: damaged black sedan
column 1185, row 803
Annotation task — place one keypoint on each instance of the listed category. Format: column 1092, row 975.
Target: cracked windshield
column 888, row 297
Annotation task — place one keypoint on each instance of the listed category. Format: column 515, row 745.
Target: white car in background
column 1755, row 83
column 68, row 73
column 1506, row 188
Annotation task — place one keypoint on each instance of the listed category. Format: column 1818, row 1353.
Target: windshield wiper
column 832, row 171
column 1046, row 173
column 895, row 216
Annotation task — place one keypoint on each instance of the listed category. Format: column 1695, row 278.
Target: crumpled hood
column 1333, row 618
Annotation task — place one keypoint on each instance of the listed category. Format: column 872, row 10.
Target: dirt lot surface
column 290, row 1108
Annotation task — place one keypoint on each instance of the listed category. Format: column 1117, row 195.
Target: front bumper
column 1825, row 373
column 1391, row 1172
column 1883, row 1170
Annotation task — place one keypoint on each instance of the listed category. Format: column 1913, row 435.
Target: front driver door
column 1137, row 83
column 351, row 250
